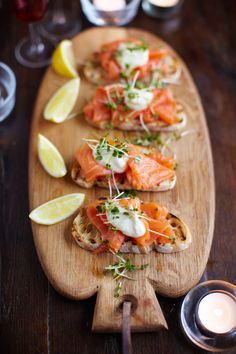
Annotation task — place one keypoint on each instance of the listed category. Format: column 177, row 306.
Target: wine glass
column 33, row 51
column 60, row 22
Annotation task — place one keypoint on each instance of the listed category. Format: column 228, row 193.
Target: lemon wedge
column 62, row 102
column 57, row 209
column 50, row 158
column 63, row 60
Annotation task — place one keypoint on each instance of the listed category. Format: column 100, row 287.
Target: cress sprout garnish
column 119, row 270
column 148, row 140
column 118, row 289
column 158, row 140
column 112, row 207
column 118, row 149
column 111, row 105
column 122, row 266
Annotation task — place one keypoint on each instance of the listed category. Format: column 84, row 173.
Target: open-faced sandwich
column 127, row 107
column 115, row 163
column 122, row 58
column 126, row 224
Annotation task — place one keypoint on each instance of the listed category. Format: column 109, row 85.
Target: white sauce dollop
column 137, row 99
column 129, row 225
column 130, row 58
column 116, row 164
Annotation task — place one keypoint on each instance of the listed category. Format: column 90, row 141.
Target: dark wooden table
column 34, row 317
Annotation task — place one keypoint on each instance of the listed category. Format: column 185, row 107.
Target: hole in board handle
column 129, row 298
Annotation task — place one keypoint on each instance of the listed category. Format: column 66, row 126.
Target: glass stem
column 58, row 17
column 35, row 39
column 58, row 5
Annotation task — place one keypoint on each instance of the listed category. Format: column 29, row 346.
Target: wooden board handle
column 146, row 313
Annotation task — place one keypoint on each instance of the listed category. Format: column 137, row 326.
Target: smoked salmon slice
column 116, row 238
column 147, row 173
column 143, row 171
column 158, row 220
column 89, row 165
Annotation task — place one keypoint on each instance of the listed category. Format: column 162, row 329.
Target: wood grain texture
column 78, row 274
column 51, row 323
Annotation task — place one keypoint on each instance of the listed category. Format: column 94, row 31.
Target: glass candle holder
column 7, row 91
column 161, row 9
column 208, row 315
column 110, row 12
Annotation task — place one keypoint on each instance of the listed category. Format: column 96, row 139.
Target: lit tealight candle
column 208, row 315
column 216, row 312
column 164, row 3
column 109, row 5
column 161, row 8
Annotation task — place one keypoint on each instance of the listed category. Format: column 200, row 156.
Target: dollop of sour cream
column 138, row 99
column 130, row 56
column 130, row 225
column 115, row 164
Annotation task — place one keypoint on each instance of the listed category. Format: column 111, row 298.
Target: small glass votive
column 161, row 9
column 7, row 91
column 110, row 12
column 208, row 315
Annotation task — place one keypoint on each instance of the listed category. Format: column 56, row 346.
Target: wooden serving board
column 78, row 274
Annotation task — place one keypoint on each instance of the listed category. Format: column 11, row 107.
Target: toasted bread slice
column 135, row 125
column 94, row 73
column 89, row 238
column 78, row 178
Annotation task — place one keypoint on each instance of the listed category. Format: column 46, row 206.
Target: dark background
column 36, row 319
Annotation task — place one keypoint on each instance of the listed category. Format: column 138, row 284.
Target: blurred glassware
column 189, row 317
column 7, row 91
column 110, row 12
column 33, row 51
column 60, row 23
column 161, row 9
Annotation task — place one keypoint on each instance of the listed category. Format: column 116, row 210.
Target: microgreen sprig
column 148, row 140
column 120, row 268
column 118, row 149
column 118, row 289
